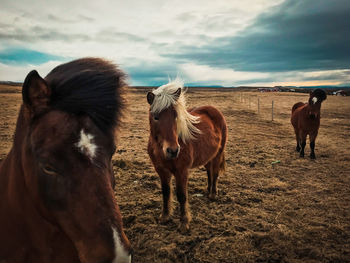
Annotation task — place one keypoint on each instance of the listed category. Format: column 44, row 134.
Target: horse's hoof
column 184, row 228
column 212, row 196
column 163, row 219
column 313, row 156
column 301, row 155
column 297, row 149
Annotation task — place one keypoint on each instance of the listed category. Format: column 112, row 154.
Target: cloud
column 38, row 34
column 296, row 35
column 204, row 75
column 154, row 73
column 60, row 19
column 18, row 73
column 221, row 42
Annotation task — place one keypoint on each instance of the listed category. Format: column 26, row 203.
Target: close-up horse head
column 169, row 119
column 59, row 171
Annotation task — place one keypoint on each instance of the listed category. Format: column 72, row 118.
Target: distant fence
column 264, row 107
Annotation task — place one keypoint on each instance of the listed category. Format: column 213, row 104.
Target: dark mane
column 319, row 94
column 89, row 86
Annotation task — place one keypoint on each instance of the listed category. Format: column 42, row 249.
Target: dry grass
column 295, row 210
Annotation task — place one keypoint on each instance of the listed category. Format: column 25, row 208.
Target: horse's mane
column 320, row 94
column 165, row 96
column 89, row 86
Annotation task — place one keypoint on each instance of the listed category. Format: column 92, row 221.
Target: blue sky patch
column 21, row 56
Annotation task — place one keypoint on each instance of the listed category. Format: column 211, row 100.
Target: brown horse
column 181, row 139
column 56, row 184
column 306, row 121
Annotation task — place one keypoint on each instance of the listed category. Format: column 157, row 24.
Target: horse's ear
column 150, row 97
column 36, row 93
column 177, row 94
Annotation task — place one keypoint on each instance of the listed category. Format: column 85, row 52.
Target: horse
column 56, row 183
column 181, row 139
column 305, row 119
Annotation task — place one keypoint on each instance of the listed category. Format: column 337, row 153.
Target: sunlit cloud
column 221, row 42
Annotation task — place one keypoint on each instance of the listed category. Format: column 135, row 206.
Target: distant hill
column 11, row 83
column 192, row 87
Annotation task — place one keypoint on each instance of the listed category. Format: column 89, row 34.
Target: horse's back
column 297, row 105
column 211, row 112
column 213, row 137
column 216, row 119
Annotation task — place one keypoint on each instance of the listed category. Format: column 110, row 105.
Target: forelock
column 165, row 95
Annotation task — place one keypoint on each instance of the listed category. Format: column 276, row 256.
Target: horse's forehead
column 59, row 128
column 55, row 125
column 87, row 144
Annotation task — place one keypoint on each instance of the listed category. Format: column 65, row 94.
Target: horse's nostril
column 172, row 153
column 313, row 116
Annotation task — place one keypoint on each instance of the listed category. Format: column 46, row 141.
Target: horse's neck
column 11, row 228
column 317, row 106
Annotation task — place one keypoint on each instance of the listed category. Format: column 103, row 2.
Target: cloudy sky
column 221, row 42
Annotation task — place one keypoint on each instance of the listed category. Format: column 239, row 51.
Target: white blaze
column 314, row 100
column 86, row 144
column 121, row 255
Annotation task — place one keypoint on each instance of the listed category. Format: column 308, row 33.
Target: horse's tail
column 297, row 105
column 222, row 165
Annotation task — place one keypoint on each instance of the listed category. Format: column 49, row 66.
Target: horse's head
column 164, row 127
column 316, row 98
column 66, row 142
column 169, row 118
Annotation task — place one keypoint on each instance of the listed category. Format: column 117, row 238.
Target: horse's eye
column 49, row 170
column 156, row 117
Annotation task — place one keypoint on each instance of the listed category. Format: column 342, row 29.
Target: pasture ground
column 272, row 205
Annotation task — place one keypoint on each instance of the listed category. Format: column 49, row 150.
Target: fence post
column 272, row 111
column 258, row 105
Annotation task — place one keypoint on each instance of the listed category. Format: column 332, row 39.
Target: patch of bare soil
column 272, row 206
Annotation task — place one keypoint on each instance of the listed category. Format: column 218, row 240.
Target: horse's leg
column 215, row 174
column 312, row 144
column 165, row 178
column 208, row 166
column 298, row 140
column 182, row 197
column 303, row 142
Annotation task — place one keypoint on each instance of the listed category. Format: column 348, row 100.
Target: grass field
column 272, row 205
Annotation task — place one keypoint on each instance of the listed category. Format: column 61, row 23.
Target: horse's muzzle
column 313, row 116
column 172, row 153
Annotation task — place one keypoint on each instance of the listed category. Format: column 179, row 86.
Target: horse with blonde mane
column 181, row 139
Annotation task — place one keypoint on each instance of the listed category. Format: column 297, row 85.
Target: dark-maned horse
column 181, row 139
column 56, row 184
column 306, row 120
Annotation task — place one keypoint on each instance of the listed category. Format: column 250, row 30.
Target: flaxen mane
column 165, row 96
